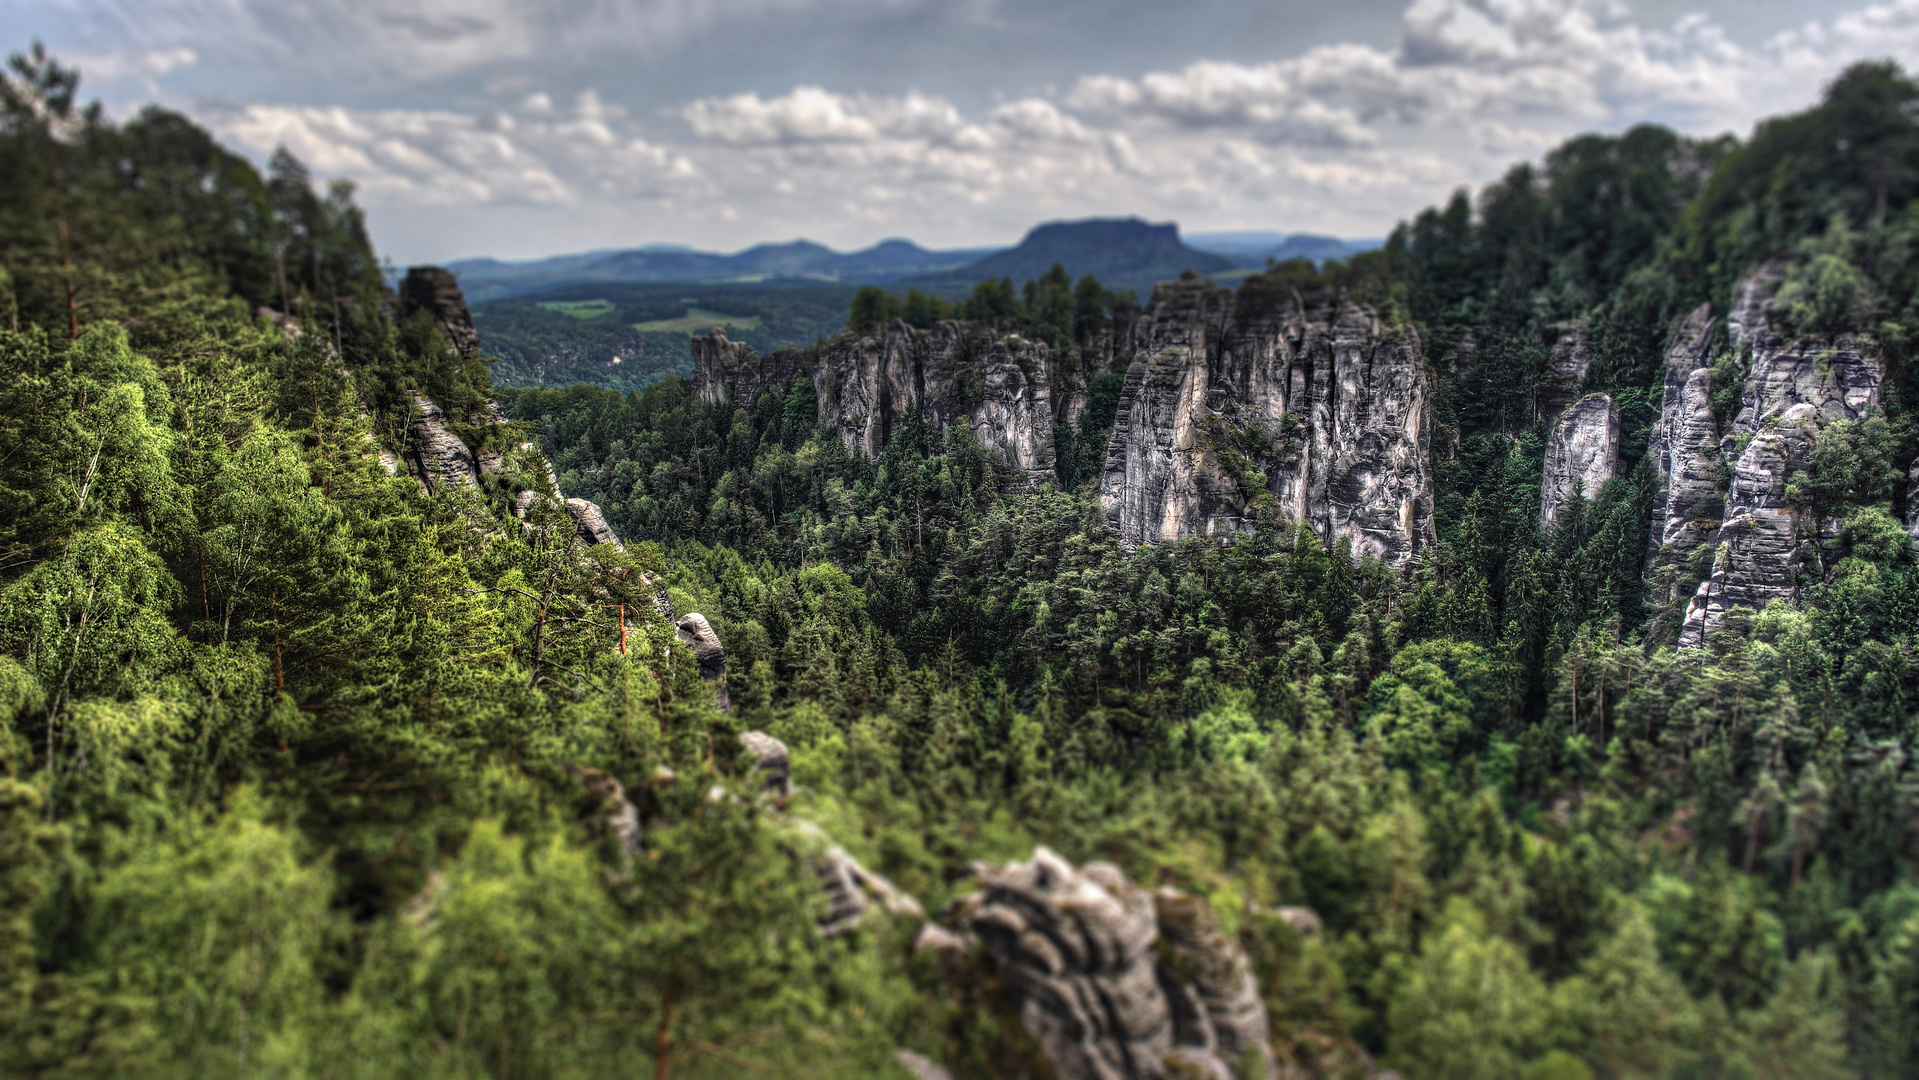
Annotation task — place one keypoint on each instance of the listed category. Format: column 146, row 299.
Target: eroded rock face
column 592, row 523
column 868, row 385
column 1685, row 448
column 697, row 634
column 1791, row 389
column 1224, row 1014
column 1582, row 453
column 1565, row 370
column 441, row 460
column 1314, row 395
column 1077, row 945
column 431, row 289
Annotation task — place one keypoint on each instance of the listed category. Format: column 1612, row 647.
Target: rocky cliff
column 1685, row 453
column 867, row 385
column 1790, row 388
column 1306, row 404
column 1234, row 403
column 1582, row 453
column 437, row 292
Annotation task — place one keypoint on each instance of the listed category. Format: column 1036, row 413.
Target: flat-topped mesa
column 1582, row 453
column 1308, row 405
column 1792, row 388
column 867, row 385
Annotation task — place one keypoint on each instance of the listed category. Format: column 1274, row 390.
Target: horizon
column 520, row 132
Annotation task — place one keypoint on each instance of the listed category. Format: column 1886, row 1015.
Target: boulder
column 697, row 634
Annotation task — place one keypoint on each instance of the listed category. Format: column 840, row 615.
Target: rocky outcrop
column 1791, row 388
column 441, row 460
column 1582, row 453
column 1685, row 449
column 697, row 634
column 1565, row 370
column 868, row 385
column 771, row 762
column 1078, row 948
column 1217, row 1004
column 437, row 292
column 852, row 891
column 1307, row 405
column 591, row 523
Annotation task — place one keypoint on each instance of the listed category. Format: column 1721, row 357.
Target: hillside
column 800, row 260
column 1492, row 655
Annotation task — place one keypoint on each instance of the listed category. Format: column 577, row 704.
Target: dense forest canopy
column 315, row 764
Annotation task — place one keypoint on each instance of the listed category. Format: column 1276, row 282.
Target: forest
column 318, row 766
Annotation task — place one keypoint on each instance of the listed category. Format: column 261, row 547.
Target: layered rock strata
column 1078, row 948
column 1685, row 449
column 1582, row 453
column 1306, row 404
column 441, row 460
column 867, row 386
column 1791, row 388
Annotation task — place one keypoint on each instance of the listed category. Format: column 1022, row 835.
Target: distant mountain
column 802, row 260
column 1251, row 248
column 1123, row 253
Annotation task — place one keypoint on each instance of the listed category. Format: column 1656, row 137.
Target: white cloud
column 1341, row 138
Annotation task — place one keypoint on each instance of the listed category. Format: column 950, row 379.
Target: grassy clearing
column 698, row 319
column 579, row 309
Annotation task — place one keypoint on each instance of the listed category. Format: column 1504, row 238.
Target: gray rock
column 852, row 891
column 771, row 760
column 1685, row 448
column 591, row 523
column 1078, row 948
column 1219, row 977
column 1565, row 370
column 868, row 385
column 1581, row 454
column 1791, row 389
column 1329, row 410
column 441, row 460
column 437, row 291
column 921, row 1067
column 697, row 634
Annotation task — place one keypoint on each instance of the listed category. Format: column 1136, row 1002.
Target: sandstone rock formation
column 1217, row 1007
column 868, row 385
column 697, row 634
column 1685, row 448
column 771, row 762
column 437, row 291
column 440, row 459
column 1582, row 453
column 852, row 890
column 1078, row 948
column 1565, row 370
column 1790, row 389
column 591, row 523
column 1309, row 405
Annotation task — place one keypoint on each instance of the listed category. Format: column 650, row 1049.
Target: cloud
column 1344, row 137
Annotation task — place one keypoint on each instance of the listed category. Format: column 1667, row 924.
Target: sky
column 521, row 128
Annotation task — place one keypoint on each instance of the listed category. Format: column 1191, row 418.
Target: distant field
column 697, row 320
column 579, row 309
